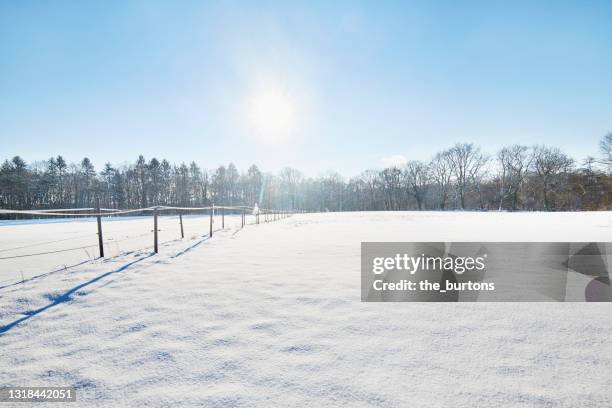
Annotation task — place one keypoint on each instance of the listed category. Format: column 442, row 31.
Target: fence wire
column 116, row 246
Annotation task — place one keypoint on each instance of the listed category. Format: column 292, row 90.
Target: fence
column 53, row 242
column 269, row 215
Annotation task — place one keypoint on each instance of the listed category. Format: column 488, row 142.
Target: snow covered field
column 270, row 315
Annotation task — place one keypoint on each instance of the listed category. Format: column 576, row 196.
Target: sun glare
column 272, row 116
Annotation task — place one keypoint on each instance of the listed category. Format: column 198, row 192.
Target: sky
column 319, row 86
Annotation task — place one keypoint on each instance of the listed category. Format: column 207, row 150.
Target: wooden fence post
column 222, row 217
column 181, row 221
column 242, row 219
column 212, row 210
column 155, row 229
column 100, row 239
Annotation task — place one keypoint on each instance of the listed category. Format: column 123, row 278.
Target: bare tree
column 605, row 146
column 441, row 173
column 253, row 185
column 416, row 175
column 550, row 165
column 391, row 184
column 289, row 181
column 467, row 161
column 371, row 182
column 514, row 162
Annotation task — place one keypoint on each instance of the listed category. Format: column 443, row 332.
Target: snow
column 270, row 315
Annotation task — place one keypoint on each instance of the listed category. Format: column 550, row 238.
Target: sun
column 272, row 115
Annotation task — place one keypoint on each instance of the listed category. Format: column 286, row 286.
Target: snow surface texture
column 271, row 316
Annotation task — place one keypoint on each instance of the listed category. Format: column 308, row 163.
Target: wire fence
column 201, row 221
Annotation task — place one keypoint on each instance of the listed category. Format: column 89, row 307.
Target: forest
column 462, row 177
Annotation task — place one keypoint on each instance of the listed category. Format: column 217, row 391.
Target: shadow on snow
column 66, row 296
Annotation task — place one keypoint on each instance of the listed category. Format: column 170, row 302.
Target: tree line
column 461, row 177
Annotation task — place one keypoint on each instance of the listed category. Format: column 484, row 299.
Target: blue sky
column 362, row 80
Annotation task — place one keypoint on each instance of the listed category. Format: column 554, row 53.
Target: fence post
column 222, row 217
column 242, row 219
column 181, row 221
column 155, row 229
column 100, row 239
column 212, row 210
